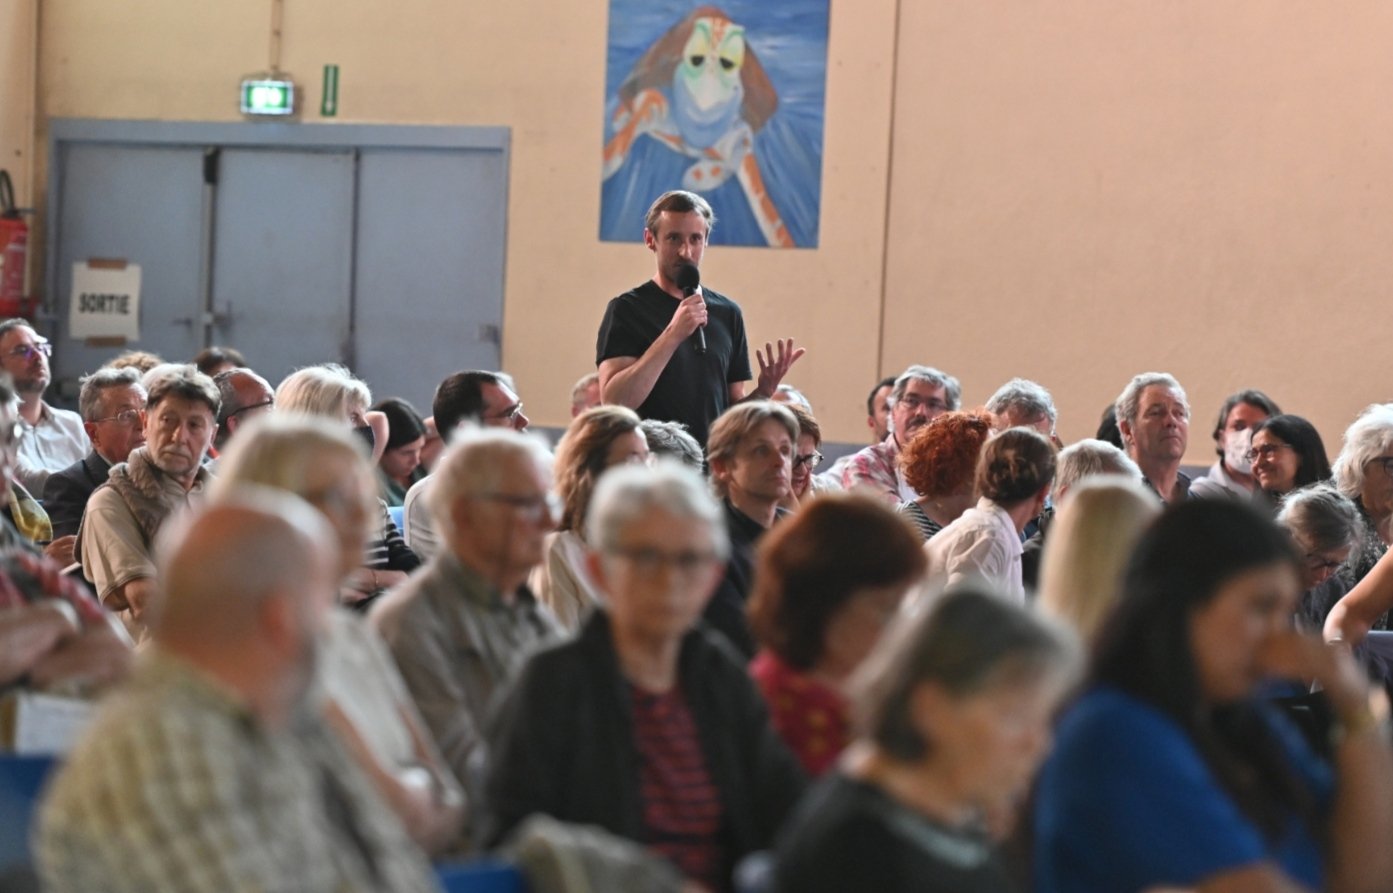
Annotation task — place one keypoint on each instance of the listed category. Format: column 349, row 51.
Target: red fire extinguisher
column 14, row 248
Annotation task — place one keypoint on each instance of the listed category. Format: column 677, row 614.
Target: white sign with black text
column 105, row 302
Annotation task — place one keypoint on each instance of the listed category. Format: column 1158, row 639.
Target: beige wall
column 1078, row 190
column 18, row 23
column 1084, row 190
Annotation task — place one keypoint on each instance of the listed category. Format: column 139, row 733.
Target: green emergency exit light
column 274, row 97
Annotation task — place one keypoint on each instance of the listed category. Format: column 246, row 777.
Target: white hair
column 1367, row 438
column 1029, row 400
column 1091, row 457
column 472, row 463
column 625, row 495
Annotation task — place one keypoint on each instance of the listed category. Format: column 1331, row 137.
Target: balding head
column 221, row 567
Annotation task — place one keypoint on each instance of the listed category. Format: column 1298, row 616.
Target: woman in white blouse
column 598, row 439
column 1014, row 475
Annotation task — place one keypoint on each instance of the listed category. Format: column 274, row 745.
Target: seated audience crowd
column 706, row 665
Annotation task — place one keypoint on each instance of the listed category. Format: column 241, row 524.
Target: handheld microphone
column 688, row 279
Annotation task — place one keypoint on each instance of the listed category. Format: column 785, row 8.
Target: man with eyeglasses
column 112, row 402
column 920, row 395
column 53, row 438
column 245, row 395
column 487, row 399
column 462, row 626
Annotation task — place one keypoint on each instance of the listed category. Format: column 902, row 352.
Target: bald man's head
column 221, row 565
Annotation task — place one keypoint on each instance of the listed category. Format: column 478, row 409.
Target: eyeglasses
column 1270, row 449
column 262, row 405
column 1386, row 462
column 27, row 352
column 1318, row 562
column 933, row 404
column 508, row 415
column 812, row 460
column 124, row 417
column 531, row 507
column 647, row 560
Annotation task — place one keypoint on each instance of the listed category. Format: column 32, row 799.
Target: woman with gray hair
column 1364, row 472
column 1326, row 528
column 953, row 718
column 643, row 724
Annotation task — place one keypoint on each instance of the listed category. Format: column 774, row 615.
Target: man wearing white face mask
column 1232, row 475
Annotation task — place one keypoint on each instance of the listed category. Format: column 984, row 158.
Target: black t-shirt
column 693, row 388
column 849, row 835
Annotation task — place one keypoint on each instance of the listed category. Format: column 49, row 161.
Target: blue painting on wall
column 727, row 101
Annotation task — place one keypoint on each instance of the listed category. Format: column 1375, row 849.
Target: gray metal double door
column 297, row 245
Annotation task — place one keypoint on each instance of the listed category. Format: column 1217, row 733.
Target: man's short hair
column 788, row 395
column 1128, row 402
column 625, row 495
column 1090, row 457
column 187, row 383
column 679, row 201
column 459, row 398
column 870, row 398
column 1028, row 400
column 951, row 388
column 735, row 424
column 210, row 358
column 140, row 360
column 672, row 439
column 471, row 465
column 13, row 323
column 579, row 388
column 95, row 386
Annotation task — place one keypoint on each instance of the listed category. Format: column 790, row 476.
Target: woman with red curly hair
column 939, row 463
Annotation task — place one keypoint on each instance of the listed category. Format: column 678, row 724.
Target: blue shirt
column 1126, row 802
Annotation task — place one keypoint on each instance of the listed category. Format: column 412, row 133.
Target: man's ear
column 649, row 240
column 91, row 429
column 1125, row 429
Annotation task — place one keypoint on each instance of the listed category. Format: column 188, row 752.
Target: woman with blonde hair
column 1091, row 540
column 598, row 439
column 330, row 391
column 368, row 704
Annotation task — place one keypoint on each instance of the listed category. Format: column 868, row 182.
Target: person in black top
column 649, row 353
column 751, row 457
column 952, row 717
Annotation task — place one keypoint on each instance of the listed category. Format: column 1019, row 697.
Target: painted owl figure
column 720, row 96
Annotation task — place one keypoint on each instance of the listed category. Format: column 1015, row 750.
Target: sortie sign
column 105, row 301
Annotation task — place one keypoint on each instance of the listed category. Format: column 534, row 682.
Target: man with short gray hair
column 245, row 395
column 462, row 626
column 1021, row 403
column 1153, row 415
column 920, row 395
column 112, row 403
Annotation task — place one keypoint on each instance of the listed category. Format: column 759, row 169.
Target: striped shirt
column 681, row 807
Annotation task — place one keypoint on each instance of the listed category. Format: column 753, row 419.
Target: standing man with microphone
column 672, row 349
